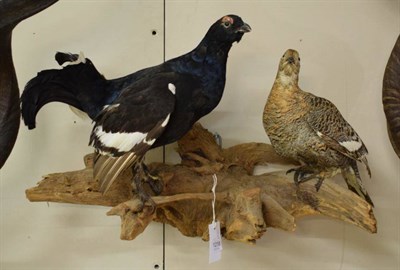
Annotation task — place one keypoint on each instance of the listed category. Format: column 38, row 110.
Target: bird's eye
column 227, row 24
column 298, row 58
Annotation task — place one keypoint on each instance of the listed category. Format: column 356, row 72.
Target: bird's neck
column 287, row 79
column 212, row 51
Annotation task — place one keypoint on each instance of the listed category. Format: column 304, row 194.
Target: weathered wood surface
column 246, row 204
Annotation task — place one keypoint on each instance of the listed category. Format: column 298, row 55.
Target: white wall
column 344, row 47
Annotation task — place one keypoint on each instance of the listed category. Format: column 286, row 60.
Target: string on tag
column 214, row 229
column 214, row 198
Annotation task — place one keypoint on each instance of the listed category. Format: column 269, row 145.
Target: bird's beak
column 290, row 60
column 245, row 28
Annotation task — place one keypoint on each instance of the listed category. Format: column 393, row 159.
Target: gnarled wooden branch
column 246, row 204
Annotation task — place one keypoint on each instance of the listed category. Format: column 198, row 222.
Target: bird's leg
column 154, row 181
column 138, row 178
column 319, row 183
column 320, row 176
column 300, row 173
column 327, row 173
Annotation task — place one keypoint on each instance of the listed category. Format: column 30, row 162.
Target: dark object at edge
column 391, row 96
column 12, row 12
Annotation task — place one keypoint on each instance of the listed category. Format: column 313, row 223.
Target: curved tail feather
column 78, row 84
column 106, row 169
column 46, row 87
column 354, row 183
column 365, row 162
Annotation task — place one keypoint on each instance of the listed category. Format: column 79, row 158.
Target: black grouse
column 147, row 109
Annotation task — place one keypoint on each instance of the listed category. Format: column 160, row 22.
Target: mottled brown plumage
column 311, row 130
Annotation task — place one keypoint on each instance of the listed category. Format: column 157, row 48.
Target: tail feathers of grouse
column 77, row 84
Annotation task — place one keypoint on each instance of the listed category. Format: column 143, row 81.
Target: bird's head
column 289, row 67
column 290, row 62
column 228, row 29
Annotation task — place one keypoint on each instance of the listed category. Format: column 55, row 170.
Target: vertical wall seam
column 163, row 226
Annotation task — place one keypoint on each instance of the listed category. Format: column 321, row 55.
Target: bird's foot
column 148, row 201
column 304, row 174
column 301, row 174
column 144, row 197
column 322, row 175
column 319, row 183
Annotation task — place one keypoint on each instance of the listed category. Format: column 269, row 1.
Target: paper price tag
column 215, row 242
column 214, row 229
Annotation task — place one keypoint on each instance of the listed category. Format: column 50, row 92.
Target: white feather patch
column 123, row 141
column 110, row 107
column 81, row 59
column 172, row 88
column 352, row 146
column 165, row 121
column 101, row 152
column 150, row 142
column 163, row 124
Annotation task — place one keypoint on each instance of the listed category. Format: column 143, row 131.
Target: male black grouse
column 149, row 108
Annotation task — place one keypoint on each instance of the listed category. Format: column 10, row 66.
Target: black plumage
column 149, row 108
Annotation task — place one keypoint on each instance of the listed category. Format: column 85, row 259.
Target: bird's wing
column 328, row 123
column 127, row 128
column 191, row 104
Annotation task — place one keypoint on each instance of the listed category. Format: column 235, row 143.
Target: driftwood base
column 246, row 204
